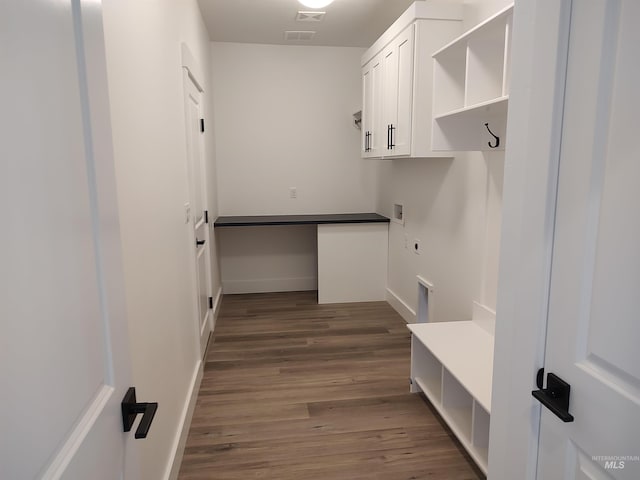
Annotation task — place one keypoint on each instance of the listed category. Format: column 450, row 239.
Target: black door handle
column 200, row 242
column 130, row 409
column 555, row 397
column 392, row 144
column 388, row 137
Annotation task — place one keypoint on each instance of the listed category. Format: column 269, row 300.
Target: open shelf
column 480, row 434
column 426, row 371
column 495, row 106
column 464, row 129
column 472, row 77
column 452, row 364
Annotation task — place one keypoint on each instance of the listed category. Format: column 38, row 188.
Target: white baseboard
column 401, row 307
column 216, row 308
column 270, row 285
column 180, row 440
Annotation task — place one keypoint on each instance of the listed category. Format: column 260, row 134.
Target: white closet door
column 64, row 362
column 593, row 326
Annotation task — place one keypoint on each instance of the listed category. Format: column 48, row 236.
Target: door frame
column 192, row 73
column 539, row 61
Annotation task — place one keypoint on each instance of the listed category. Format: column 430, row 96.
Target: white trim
column 265, row 285
column 425, row 283
column 216, row 302
column 190, row 63
column 180, row 439
column 400, row 306
column 80, row 431
column 216, row 308
column 539, row 57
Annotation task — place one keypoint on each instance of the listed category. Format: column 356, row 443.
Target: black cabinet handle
column 391, row 143
column 388, row 137
column 366, row 142
column 555, row 397
column 200, row 242
column 131, row 409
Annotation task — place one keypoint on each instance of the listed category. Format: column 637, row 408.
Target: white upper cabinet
column 471, row 87
column 371, row 108
column 397, row 76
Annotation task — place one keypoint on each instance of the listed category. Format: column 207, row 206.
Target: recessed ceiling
column 347, row 23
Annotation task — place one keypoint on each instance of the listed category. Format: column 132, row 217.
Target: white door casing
column 593, row 329
column 198, row 200
column 64, row 359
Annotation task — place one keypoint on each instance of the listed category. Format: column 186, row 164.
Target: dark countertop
column 260, row 220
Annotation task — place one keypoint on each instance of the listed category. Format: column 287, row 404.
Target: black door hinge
column 206, row 216
column 202, row 124
column 211, row 303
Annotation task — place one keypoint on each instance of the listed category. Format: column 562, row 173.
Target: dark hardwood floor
column 293, row 390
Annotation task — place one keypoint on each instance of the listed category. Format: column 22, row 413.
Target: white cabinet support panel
column 352, row 262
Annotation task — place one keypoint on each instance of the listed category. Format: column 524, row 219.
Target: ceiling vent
column 310, row 16
column 293, row 35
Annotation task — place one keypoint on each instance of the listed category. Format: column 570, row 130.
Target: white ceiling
column 348, row 23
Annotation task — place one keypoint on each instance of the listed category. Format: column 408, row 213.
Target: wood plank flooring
column 293, row 390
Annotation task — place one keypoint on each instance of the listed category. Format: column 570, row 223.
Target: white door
column 199, row 214
column 593, row 332
column 64, row 362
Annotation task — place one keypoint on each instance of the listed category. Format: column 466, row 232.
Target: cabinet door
column 367, row 98
column 398, row 93
column 402, row 131
column 390, row 97
column 372, row 135
column 377, row 140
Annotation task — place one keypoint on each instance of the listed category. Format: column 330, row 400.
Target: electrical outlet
column 293, row 192
column 416, row 246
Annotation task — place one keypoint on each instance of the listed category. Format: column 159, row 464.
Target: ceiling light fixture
column 315, row 3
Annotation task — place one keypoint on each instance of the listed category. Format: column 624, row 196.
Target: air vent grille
column 297, row 35
column 310, row 16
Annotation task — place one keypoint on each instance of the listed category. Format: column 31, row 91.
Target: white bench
column 452, row 364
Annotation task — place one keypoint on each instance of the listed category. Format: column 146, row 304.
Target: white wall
column 143, row 43
column 283, row 118
column 454, row 208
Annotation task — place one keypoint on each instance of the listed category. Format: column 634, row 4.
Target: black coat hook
column 494, row 136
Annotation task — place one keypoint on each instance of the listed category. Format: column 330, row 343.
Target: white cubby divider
column 452, row 364
column 471, row 82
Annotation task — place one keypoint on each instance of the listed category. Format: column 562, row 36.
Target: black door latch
column 130, row 409
column 555, row 397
